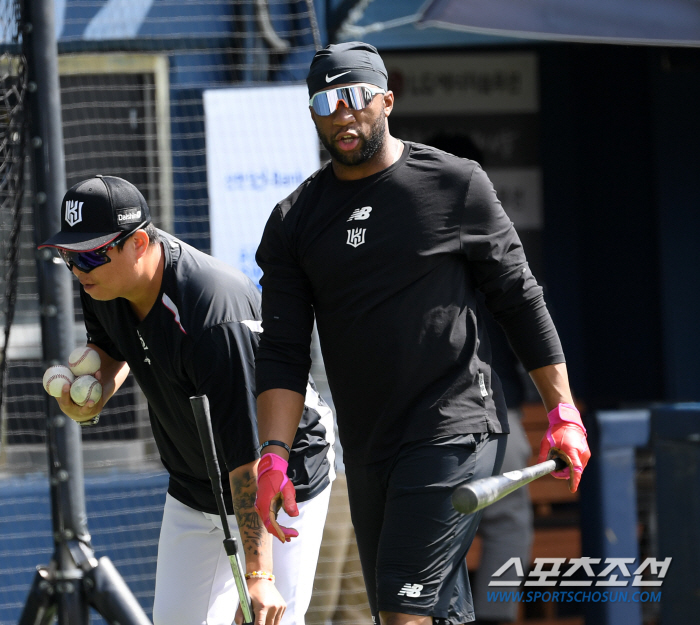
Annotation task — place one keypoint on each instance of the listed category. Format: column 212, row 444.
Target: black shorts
column 413, row 544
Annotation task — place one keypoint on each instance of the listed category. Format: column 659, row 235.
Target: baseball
column 54, row 379
column 85, row 389
column 84, row 361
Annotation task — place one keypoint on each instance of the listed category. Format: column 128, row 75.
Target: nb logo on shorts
column 361, row 213
column 410, row 590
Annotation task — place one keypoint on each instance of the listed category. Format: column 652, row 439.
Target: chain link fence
column 132, row 80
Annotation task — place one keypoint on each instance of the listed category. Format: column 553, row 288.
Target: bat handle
column 560, row 464
column 231, row 547
column 200, row 408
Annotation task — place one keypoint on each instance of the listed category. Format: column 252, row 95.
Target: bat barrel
column 473, row 497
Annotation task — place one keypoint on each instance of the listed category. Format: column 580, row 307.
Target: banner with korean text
column 261, row 145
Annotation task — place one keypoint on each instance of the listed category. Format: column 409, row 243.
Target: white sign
column 261, row 145
column 434, row 84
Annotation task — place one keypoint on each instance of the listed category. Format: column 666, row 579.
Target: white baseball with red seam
column 84, row 361
column 85, row 389
column 55, row 378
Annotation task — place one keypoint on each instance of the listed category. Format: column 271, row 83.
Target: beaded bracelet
column 278, row 443
column 260, row 575
column 89, row 422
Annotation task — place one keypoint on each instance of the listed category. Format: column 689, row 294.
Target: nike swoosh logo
column 332, row 78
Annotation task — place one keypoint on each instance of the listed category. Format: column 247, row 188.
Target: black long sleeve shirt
column 389, row 264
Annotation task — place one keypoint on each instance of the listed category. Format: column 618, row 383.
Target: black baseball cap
column 343, row 63
column 95, row 212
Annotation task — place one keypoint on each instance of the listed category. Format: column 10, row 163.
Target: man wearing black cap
column 187, row 324
column 386, row 246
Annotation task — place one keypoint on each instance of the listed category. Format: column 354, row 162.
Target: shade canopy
column 645, row 22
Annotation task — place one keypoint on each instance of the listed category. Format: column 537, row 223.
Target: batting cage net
column 200, row 104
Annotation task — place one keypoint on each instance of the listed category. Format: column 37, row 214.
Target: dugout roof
column 438, row 23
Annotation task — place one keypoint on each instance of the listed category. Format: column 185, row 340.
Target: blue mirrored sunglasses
column 87, row 261
column 355, row 97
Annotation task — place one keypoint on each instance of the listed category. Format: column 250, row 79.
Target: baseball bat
column 200, row 408
column 473, row 497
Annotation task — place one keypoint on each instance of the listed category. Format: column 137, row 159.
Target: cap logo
column 332, row 78
column 74, row 212
column 128, row 215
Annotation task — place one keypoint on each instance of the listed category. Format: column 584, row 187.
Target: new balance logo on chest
column 360, row 213
column 356, row 236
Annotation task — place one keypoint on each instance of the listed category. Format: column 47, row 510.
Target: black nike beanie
column 344, row 63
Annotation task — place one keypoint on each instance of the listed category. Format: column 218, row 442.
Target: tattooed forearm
column 253, row 533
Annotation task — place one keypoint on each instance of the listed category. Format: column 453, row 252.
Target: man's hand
column 111, row 375
column 275, row 491
column 76, row 412
column 566, row 439
column 268, row 605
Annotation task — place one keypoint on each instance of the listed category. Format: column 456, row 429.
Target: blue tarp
column 649, row 22
column 101, row 20
column 124, row 511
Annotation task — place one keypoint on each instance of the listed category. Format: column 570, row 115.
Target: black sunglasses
column 87, row 261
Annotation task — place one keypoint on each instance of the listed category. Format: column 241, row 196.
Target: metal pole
column 75, row 579
column 56, row 302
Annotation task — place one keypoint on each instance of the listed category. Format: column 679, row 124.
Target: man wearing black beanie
column 386, row 246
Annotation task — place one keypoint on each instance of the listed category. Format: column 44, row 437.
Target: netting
column 133, row 79
column 12, row 142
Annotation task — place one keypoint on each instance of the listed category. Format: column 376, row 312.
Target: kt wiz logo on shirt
column 356, row 236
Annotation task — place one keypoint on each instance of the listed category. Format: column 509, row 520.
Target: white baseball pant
column 194, row 583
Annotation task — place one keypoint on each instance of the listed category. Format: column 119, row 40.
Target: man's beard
column 369, row 146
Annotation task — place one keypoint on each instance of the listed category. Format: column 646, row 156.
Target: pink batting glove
column 566, row 439
column 275, row 491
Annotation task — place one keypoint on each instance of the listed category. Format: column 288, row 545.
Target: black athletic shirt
column 200, row 337
column 389, row 264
